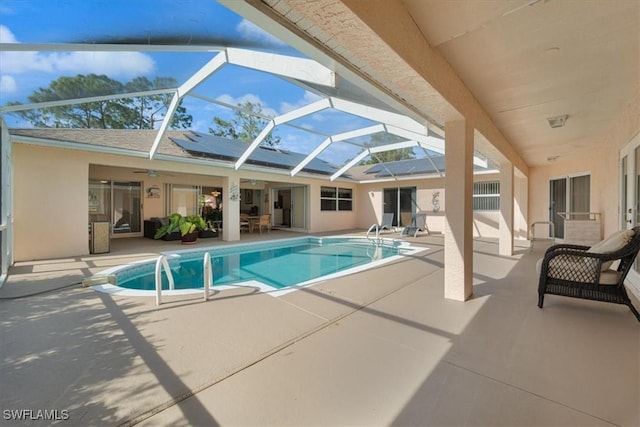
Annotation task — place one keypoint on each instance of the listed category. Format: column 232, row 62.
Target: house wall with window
column 62, row 175
column 328, row 219
column 52, row 188
column 602, row 167
column 430, row 192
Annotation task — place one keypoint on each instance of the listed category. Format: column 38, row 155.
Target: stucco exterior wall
column 62, row 175
column 485, row 224
column 601, row 165
column 50, row 203
column 151, row 207
column 323, row 221
column 51, row 195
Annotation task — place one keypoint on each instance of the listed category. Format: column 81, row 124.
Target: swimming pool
column 276, row 267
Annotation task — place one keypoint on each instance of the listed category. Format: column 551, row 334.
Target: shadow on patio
column 375, row 348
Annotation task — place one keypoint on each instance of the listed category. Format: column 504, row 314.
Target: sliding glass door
column 118, row 203
column 401, row 202
column 126, row 207
column 290, row 207
column 629, row 173
column 183, row 199
column 298, row 207
column 569, row 194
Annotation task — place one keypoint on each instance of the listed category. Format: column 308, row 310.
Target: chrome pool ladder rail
column 161, row 263
column 378, row 239
column 207, row 275
column 377, row 252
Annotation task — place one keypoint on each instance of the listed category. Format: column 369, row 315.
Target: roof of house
column 211, row 146
column 191, row 144
column 179, row 143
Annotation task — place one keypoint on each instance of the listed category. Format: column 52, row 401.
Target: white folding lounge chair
column 387, row 222
column 420, row 223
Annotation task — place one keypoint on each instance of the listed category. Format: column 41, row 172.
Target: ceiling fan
column 153, row 173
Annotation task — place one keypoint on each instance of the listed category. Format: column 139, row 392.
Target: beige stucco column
column 520, row 205
column 505, row 226
column 458, row 232
column 231, row 208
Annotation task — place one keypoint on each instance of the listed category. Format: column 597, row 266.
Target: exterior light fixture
column 558, row 121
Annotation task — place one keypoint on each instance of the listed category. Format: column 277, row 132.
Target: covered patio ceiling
column 524, row 63
column 338, row 122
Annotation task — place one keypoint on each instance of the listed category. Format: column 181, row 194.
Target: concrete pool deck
column 378, row 347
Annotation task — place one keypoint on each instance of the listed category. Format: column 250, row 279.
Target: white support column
column 505, row 226
column 6, row 208
column 231, row 208
column 458, row 234
column 521, row 196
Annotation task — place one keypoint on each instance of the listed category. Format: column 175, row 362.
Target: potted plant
column 209, row 220
column 174, row 222
column 189, row 227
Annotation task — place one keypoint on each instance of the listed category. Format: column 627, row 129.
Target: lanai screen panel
column 154, row 52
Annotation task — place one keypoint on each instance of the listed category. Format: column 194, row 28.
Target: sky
column 180, row 22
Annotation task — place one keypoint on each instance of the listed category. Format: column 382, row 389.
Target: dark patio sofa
column 153, row 224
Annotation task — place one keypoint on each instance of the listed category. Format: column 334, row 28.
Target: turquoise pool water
column 271, row 266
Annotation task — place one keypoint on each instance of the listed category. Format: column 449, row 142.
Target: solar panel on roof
column 230, row 150
column 414, row 167
column 407, row 167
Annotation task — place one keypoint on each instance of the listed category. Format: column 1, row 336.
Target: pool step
column 105, row 279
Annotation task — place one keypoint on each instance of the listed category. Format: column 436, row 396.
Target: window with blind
column 486, row 196
column 336, row 199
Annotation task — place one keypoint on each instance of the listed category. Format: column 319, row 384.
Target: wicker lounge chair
column 583, row 272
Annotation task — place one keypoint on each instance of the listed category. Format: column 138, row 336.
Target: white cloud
column 113, row 64
column 307, row 98
column 250, row 31
column 200, row 126
column 300, row 143
column 8, row 84
column 128, row 64
column 6, row 36
column 249, row 97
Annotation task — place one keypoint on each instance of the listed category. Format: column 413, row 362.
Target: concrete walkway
column 379, row 347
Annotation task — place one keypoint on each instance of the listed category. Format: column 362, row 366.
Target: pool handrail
column 160, row 263
column 378, row 229
column 207, row 276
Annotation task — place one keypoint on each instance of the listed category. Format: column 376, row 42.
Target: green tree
column 149, row 110
column 124, row 113
column 387, row 156
column 101, row 114
column 246, row 125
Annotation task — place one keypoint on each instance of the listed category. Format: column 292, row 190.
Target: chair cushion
column 609, row 277
column 614, row 242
